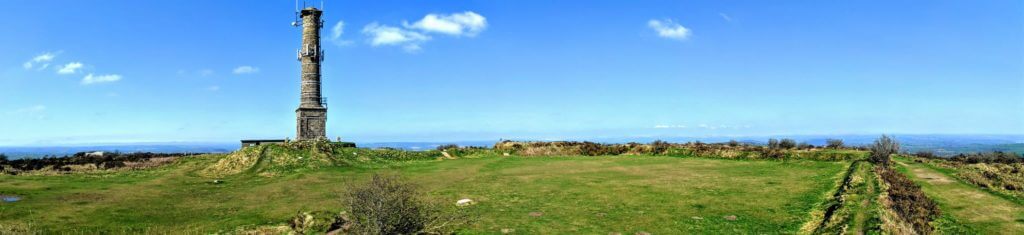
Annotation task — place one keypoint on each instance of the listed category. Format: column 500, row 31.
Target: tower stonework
column 311, row 123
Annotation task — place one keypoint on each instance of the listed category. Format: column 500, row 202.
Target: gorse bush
column 387, row 205
column 660, row 147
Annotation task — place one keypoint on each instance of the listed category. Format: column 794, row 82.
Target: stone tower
column 311, row 115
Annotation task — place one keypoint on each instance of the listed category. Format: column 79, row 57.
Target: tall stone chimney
column 312, row 112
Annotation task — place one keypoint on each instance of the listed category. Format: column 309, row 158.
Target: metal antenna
column 295, row 23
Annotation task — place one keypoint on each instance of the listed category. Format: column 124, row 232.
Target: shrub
column 925, row 154
column 660, row 147
column 909, row 202
column 834, row 143
column 3, row 158
column 733, row 143
column 787, row 143
column 444, row 147
column 386, row 205
column 882, row 148
column 773, row 143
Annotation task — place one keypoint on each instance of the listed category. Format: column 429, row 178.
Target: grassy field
column 965, row 207
column 525, row 195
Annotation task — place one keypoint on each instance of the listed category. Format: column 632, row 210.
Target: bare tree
column 773, row 143
column 882, row 148
column 834, row 143
column 787, row 143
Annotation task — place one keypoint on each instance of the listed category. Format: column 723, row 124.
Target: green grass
column 965, row 207
column 593, row 195
column 858, row 209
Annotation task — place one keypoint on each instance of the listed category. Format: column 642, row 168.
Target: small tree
column 882, row 148
column 773, row 143
column 787, row 143
column 834, row 143
column 733, row 143
column 3, row 158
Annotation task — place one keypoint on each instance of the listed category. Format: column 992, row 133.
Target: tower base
column 312, row 123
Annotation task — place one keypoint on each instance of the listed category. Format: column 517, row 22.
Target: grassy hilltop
column 529, row 188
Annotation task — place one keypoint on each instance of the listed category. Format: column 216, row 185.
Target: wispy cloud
column 40, row 61
column 725, row 17
column 93, row 79
column 669, row 29
column 383, row 35
column 458, row 24
column 336, row 32
column 245, row 69
column 213, row 88
column 70, row 68
column 35, row 111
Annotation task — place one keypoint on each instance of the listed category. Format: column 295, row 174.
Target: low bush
column 387, row 205
column 908, row 201
column 104, row 160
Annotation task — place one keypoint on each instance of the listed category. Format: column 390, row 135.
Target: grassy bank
column 966, row 208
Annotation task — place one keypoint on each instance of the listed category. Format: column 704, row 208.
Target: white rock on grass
column 464, row 202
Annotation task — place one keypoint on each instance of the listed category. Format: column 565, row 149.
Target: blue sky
column 198, row 71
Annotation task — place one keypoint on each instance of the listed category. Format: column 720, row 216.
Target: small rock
column 536, row 214
column 697, row 218
column 505, row 154
column 507, row 230
column 642, row 233
column 217, row 181
column 730, row 217
column 464, row 202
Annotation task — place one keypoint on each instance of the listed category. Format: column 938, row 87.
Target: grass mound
column 269, row 160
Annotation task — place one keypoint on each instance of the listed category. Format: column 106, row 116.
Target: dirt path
column 979, row 209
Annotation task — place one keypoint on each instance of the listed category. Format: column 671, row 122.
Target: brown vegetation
column 908, row 202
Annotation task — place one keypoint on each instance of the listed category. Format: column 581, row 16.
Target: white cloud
column 44, row 58
column 459, row 24
column 91, row 79
column 70, row 68
column 383, row 35
column 246, row 69
column 669, row 29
